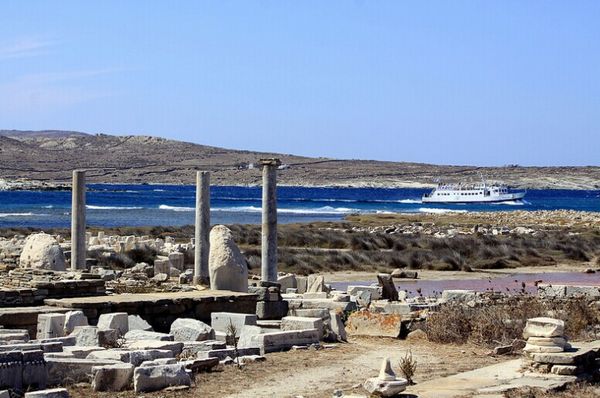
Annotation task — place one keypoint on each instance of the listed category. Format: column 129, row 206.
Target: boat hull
column 510, row 197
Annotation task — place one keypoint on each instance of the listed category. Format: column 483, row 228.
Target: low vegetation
column 501, row 321
column 341, row 246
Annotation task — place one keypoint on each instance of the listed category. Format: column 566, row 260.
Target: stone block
column 223, row 353
column 388, row 289
column 50, row 325
column 544, row 327
column 322, row 313
column 64, row 371
column 50, row 393
column 137, row 334
column 200, row 365
column 116, row 320
column 590, row 292
column 82, row 352
column 566, row 370
column 220, row 320
column 547, row 290
column 301, row 284
column 116, row 377
column 398, row 308
column 136, row 322
column 529, row 348
column 192, row 348
column 317, row 295
column 186, row 329
column 287, row 281
column 302, row 323
column 177, row 261
column 35, row 374
column 265, row 293
column 251, row 337
column 367, row 323
column 159, row 362
column 328, row 304
column 159, row 377
column 548, row 341
column 137, row 357
column 458, row 295
column 162, row 266
column 337, row 330
column 315, row 284
column 11, row 370
column 7, row 336
column 174, row 346
column 73, row 319
column 65, row 341
column 92, row 336
column 112, row 354
column 271, row 309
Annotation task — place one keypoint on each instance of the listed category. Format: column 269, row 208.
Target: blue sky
column 448, row 82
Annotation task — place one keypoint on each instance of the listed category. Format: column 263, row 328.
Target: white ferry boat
column 472, row 193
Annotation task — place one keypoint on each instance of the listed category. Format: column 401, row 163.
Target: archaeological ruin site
column 197, row 322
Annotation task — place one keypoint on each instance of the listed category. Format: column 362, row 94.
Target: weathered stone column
column 269, row 219
column 202, row 227
column 78, row 252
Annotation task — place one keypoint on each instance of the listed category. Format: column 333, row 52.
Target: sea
column 173, row 205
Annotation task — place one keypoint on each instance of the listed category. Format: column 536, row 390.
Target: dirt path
column 316, row 374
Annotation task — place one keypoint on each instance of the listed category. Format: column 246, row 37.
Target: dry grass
column 500, row 321
column 582, row 390
column 335, row 246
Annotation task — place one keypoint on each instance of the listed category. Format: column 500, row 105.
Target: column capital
column 270, row 162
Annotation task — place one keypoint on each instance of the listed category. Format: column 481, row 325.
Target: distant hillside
column 52, row 155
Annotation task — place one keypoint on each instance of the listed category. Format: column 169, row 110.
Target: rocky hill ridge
column 51, row 155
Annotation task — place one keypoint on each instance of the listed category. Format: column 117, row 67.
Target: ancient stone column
column 269, row 219
column 202, row 247
column 78, row 252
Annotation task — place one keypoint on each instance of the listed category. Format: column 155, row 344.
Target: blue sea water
column 151, row 205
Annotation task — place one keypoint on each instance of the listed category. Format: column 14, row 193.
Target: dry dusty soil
column 313, row 374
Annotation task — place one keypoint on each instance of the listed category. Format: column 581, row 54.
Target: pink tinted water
column 511, row 284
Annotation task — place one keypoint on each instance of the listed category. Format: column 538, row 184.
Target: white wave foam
column 318, row 210
column 439, row 211
column 409, row 201
column 512, row 203
column 158, row 190
column 175, row 208
column 47, row 207
column 92, row 207
column 2, row 215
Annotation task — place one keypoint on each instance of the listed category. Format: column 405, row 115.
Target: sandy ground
column 317, row 374
column 455, row 275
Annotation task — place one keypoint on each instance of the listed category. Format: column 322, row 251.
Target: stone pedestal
column 269, row 219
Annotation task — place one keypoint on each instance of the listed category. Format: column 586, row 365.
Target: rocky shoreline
column 22, row 184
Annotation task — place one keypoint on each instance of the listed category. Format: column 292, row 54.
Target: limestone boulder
column 186, row 329
column 227, row 266
column 154, row 378
column 114, row 320
column 136, row 322
column 42, row 251
column 115, row 377
column 74, row 319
